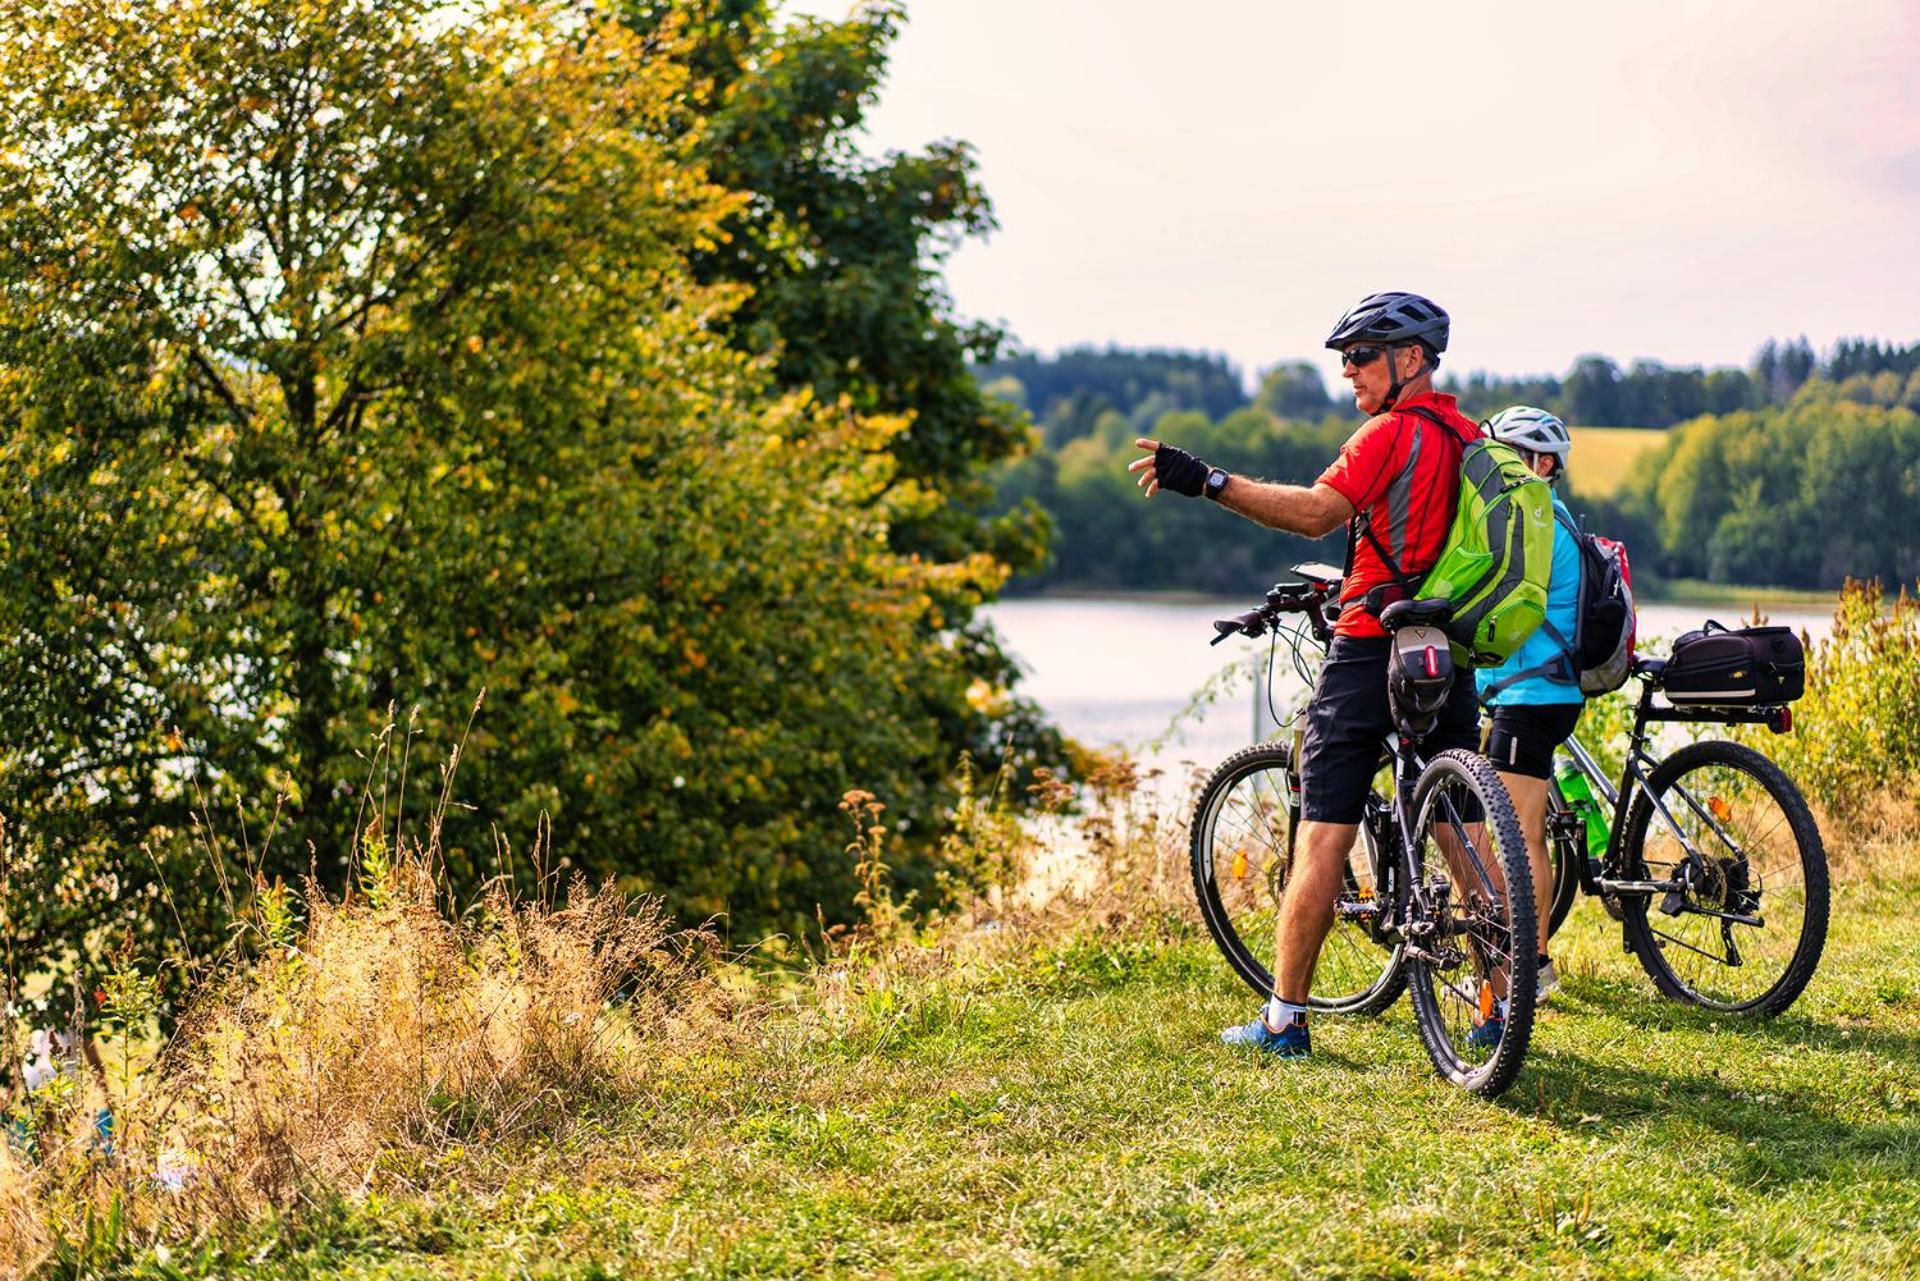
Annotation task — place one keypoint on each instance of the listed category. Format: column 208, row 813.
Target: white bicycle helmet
column 1535, row 430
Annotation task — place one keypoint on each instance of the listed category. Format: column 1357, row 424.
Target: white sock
column 1279, row 1013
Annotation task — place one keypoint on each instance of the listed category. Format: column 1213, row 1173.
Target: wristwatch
column 1216, row 481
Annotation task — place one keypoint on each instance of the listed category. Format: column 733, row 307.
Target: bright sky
column 1680, row 179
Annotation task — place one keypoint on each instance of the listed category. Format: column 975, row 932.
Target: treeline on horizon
column 1799, row 471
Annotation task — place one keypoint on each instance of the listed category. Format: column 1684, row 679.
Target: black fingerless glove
column 1179, row 471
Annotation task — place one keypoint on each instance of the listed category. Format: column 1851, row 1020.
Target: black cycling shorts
column 1522, row 737
column 1348, row 723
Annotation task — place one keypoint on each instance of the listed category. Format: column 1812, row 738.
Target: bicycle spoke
column 1459, row 831
column 1242, row 866
column 1465, row 979
column 1740, row 859
column 1711, row 956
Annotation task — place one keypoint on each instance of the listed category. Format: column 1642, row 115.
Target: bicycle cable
column 1273, row 642
column 1296, row 631
column 1300, row 668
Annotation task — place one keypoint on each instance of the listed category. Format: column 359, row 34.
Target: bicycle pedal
column 1674, row 903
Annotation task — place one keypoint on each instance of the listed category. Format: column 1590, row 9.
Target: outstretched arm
column 1297, row 509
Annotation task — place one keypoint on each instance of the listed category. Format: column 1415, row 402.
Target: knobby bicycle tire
column 1662, row 952
column 1347, row 950
column 1438, row 996
column 1566, row 869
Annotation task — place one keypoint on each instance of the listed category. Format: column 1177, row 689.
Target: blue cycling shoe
column 1290, row 1042
column 1486, row 1036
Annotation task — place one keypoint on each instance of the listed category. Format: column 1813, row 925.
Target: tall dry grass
column 1104, row 858
column 359, row 1044
column 354, row 1051
column 23, row 1229
column 390, row 1032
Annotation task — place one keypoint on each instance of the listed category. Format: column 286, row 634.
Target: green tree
column 1294, row 389
column 1593, row 393
column 843, row 252
column 352, row 353
column 1069, row 391
column 841, row 255
column 1805, row 495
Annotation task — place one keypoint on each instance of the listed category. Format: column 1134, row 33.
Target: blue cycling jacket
column 1563, row 596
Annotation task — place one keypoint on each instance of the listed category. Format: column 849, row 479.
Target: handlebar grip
column 1251, row 623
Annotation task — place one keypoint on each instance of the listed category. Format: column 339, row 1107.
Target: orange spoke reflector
column 1239, row 865
column 1486, row 1001
column 1721, row 810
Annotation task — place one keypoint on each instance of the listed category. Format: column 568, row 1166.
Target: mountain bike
column 1712, row 861
column 1442, row 927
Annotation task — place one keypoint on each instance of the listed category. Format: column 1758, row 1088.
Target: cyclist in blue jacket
column 1534, row 696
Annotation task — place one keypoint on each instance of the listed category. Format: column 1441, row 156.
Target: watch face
column 1216, row 480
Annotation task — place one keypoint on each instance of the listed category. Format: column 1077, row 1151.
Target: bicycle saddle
column 1434, row 611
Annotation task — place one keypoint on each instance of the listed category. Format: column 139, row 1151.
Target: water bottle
column 1578, row 794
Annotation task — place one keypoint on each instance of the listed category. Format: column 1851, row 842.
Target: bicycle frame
column 1384, row 842
column 1407, row 919
column 1381, row 915
column 1611, row 877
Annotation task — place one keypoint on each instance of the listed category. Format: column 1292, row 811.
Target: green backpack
column 1498, row 555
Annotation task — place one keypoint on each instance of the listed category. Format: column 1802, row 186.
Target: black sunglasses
column 1361, row 357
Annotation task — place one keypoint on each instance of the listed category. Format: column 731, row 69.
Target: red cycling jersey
column 1401, row 471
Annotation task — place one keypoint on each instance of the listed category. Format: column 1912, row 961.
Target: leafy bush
column 1855, row 746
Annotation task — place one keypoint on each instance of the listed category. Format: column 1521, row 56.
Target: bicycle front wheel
column 1242, row 853
column 1471, row 962
column 1745, row 930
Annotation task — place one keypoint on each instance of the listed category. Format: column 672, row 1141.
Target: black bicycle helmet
column 1393, row 318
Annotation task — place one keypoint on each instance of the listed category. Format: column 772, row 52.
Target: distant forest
column 1798, row 470
column 1067, row 393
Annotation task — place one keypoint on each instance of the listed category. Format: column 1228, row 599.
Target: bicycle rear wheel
column 1471, row 919
column 1241, row 856
column 1746, row 933
column 1566, row 865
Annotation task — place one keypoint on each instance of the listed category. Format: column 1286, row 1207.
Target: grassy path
column 1070, row 1113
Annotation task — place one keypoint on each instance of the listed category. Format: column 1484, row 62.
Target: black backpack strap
column 1558, row 669
column 1365, row 526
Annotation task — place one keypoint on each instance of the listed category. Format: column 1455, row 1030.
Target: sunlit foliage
column 354, row 356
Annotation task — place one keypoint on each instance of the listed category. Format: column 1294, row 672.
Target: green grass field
column 1602, row 457
column 1065, row 1110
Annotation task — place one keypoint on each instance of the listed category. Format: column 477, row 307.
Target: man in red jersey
column 1394, row 486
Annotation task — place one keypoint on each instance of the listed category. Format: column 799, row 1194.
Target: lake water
column 1122, row 670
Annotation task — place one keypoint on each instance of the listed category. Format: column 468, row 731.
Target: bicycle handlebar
column 1307, row 598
